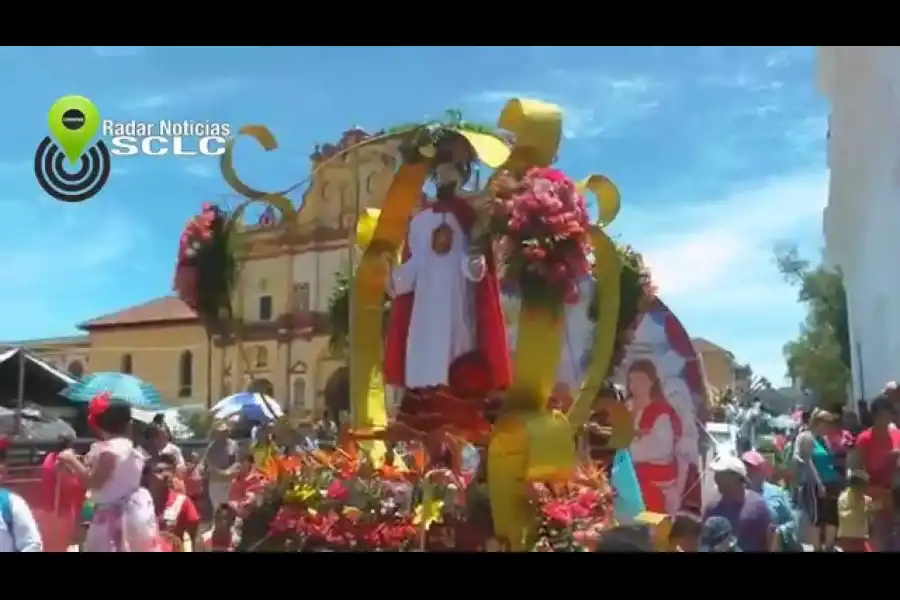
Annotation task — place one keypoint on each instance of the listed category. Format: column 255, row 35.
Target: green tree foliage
column 819, row 357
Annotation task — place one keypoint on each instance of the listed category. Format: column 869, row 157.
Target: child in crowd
column 193, row 480
column 223, row 536
column 244, row 482
column 716, row 535
column 685, row 533
column 855, row 508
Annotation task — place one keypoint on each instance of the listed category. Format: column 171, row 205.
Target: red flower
column 558, row 512
column 337, row 491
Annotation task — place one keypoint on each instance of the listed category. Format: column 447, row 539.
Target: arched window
column 185, row 374
column 262, row 357
column 127, row 365
column 75, row 369
column 263, row 386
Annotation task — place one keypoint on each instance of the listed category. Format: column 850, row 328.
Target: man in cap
column 744, row 509
column 759, row 470
column 716, row 535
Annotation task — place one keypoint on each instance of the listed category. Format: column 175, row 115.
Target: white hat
column 728, row 463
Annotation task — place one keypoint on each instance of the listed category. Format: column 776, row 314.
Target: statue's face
column 447, row 175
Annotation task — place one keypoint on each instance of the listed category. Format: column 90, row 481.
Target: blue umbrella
column 249, row 405
column 120, row 386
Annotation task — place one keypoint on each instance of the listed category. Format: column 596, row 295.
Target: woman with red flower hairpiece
column 124, row 519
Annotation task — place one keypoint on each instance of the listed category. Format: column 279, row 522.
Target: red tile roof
column 167, row 309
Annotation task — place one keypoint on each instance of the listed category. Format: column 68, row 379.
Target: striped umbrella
column 120, row 386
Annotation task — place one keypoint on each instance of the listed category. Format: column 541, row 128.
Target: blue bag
column 6, row 514
column 629, row 500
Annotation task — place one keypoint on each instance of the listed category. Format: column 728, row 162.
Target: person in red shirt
column 246, row 480
column 177, row 514
column 222, row 537
column 879, row 451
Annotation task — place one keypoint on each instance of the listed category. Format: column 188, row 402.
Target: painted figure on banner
column 446, row 339
column 664, row 382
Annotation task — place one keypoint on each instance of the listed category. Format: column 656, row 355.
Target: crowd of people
column 838, row 494
column 140, row 495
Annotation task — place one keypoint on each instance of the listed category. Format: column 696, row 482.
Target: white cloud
column 594, row 104
column 118, row 51
column 191, row 93
column 713, row 261
column 700, row 244
column 50, row 250
column 94, row 240
column 201, row 170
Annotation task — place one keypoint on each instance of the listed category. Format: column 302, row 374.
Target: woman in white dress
column 124, row 519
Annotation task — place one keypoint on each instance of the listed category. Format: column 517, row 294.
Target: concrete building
column 720, row 367
column 862, row 83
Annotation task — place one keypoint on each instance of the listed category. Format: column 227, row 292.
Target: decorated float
column 423, row 312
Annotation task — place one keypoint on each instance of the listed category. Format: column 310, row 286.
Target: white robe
column 442, row 324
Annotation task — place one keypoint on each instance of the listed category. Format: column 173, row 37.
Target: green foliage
column 216, row 271
column 635, row 291
column 339, row 313
column 200, row 424
column 819, row 357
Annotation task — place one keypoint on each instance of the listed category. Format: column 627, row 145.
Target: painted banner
column 664, row 383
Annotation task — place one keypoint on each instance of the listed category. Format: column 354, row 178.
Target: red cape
column 491, row 340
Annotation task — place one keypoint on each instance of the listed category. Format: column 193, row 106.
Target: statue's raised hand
column 476, row 267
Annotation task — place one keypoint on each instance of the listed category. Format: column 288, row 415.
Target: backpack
column 6, row 515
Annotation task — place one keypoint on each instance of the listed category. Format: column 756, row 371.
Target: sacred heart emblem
column 442, row 239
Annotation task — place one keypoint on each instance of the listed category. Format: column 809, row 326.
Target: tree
column 819, row 357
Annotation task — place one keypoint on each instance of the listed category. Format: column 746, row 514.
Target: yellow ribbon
column 607, row 273
column 377, row 235
column 530, row 443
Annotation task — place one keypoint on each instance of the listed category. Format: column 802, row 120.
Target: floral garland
column 637, row 292
column 542, row 224
column 339, row 502
column 206, row 267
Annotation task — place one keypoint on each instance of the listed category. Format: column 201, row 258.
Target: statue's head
column 453, row 164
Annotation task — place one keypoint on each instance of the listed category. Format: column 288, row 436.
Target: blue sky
column 718, row 153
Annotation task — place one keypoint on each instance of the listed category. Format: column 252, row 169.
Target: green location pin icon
column 73, row 121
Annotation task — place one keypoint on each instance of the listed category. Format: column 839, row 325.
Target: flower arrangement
column 339, row 502
column 637, row 291
column 573, row 515
column 206, row 268
column 542, row 224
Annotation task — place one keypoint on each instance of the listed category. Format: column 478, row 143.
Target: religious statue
column 446, row 339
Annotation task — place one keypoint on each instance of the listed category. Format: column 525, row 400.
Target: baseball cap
column 755, row 460
column 715, row 532
column 728, row 463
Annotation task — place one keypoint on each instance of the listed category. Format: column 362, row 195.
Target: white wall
column 862, row 219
